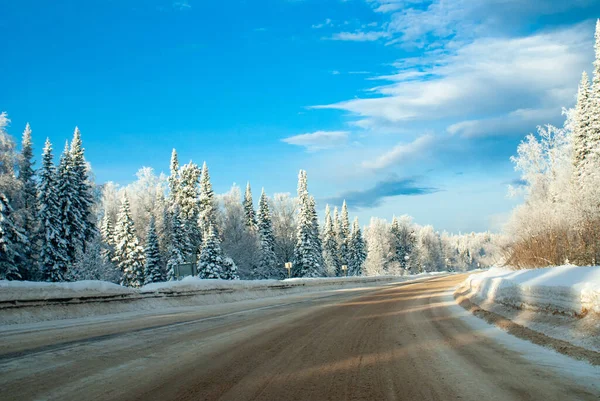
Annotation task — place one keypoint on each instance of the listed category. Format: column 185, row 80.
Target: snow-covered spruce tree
column 12, row 242
column 249, row 208
column 179, row 248
column 330, row 245
column 28, row 208
column 107, row 234
column 316, row 232
column 174, row 178
column 357, row 251
column 344, row 234
column 208, row 210
column 403, row 241
column 71, row 222
column 267, row 266
column 581, row 128
column 306, row 254
column 153, row 272
column 83, row 198
column 53, row 248
column 230, row 270
column 337, row 230
column 211, row 263
column 593, row 137
column 188, row 202
column 129, row 255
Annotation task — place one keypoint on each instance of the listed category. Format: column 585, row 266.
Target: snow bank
column 570, row 290
column 30, row 290
column 194, row 284
column 29, row 302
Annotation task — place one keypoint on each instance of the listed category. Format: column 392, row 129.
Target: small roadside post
column 345, row 270
column 288, row 266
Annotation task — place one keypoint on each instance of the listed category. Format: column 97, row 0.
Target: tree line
column 559, row 222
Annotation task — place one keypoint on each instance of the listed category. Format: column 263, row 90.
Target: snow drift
column 28, row 302
column 568, row 290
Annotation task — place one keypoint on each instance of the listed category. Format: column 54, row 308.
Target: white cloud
column 327, row 22
column 520, row 121
column 319, row 140
column 360, row 36
column 489, row 77
column 182, row 5
column 403, row 153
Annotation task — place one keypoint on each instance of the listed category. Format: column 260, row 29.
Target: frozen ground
column 561, row 302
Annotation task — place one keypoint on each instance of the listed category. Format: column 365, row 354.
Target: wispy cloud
column 359, row 36
column 372, row 197
column 492, row 77
column 402, row 153
column 319, row 140
column 182, row 5
column 327, row 22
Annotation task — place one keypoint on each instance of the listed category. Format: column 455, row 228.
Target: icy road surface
column 404, row 341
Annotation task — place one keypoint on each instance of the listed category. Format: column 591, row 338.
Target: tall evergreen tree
column 174, row 177
column 107, row 235
column 268, row 260
column 129, row 255
column 357, row 250
column 12, row 241
column 188, row 196
column 152, row 270
column 83, row 199
column 316, row 233
column 208, row 212
column 404, row 242
column 29, row 207
column 581, row 128
column 71, row 223
column 306, row 259
column 53, row 247
column 330, row 245
column 249, row 208
column 174, row 181
column 344, row 234
column 179, row 248
column 593, row 136
column 211, row 263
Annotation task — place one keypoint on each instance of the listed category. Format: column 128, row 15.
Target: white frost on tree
column 12, row 241
column 153, row 272
column 357, row 252
column 211, row 264
column 267, row 266
column 330, row 245
column 307, row 254
column 53, row 247
column 129, row 255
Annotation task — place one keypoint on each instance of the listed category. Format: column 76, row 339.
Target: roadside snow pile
column 31, row 290
column 193, row 284
column 14, row 291
column 570, row 290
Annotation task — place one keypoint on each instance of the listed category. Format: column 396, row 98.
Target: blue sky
column 400, row 106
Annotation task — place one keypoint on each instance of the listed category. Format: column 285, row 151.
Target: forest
column 57, row 224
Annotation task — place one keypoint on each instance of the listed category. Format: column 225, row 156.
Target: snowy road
column 404, row 341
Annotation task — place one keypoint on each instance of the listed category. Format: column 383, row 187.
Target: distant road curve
column 392, row 342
